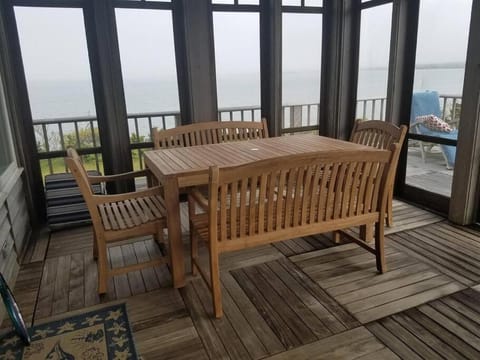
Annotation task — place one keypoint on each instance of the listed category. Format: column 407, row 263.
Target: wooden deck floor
column 431, row 174
column 304, row 298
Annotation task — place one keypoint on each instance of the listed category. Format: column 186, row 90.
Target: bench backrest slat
column 286, row 193
column 212, row 132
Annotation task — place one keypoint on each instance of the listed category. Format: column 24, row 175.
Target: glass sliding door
column 437, row 98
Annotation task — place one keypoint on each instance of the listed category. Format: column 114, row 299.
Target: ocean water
column 60, row 99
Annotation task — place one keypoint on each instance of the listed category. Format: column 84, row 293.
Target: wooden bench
column 287, row 197
column 212, row 132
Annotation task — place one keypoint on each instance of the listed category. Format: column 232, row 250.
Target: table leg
column 174, row 233
column 366, row 233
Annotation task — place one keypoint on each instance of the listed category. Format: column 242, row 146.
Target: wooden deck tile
column 358, row 343
column 446, row 328
column 26, row 291
column 300, row 299
column 405, row 217
column 70, row 241
column 349, row 275
column 452, row 250
column 268, row 308
column 69, row 282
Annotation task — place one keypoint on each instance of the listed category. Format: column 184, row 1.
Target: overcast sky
column 54, row 46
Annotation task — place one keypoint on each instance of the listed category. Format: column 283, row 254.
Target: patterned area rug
column 97, row 335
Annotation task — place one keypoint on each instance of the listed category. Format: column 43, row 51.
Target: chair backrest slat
column 212, row 132
column 378, row 134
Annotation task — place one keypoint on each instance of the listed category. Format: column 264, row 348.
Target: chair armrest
column 124, row 176
column 103, row 199
column 198, row 198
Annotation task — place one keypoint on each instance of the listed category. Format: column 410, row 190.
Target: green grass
column 58, row 164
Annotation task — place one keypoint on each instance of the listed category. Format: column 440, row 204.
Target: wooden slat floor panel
column 62, row 291
column 358, row 343
column 26, row 288
column 405, row 217
column 268, row 308
column 453, row 250
column 301, row 299
column 349, row 274
column 447, row 328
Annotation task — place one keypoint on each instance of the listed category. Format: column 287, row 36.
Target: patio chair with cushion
column 428, row 103
column 119, row 217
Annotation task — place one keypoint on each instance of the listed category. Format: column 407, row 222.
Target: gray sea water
column 69, row 98
column 74, row 98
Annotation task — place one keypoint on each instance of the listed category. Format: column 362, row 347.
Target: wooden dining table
column 182, row 167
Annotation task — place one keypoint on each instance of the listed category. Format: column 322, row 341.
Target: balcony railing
column 374, row 108
column 53, row 136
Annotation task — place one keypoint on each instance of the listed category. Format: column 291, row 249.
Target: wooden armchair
column 380, row 135
column 212, row 132
column 119, row 217
column 288, row 197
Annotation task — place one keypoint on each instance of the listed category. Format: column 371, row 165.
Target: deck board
column 448, row 328
column 358, row 343
column 405, row 217
column 452, row 250
column 365, row 293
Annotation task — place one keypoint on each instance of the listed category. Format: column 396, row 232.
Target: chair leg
column 422, row 151
column 215, row 283
column 380, row 246
column 159, row 235
column 193, row 251
column 193, row 238
column 95, row 247
column 390, row 209
column 102, row 264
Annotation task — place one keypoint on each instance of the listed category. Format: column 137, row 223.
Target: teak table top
column 196, row 160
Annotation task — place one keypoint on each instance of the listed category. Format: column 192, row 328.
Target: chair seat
column 132, row 212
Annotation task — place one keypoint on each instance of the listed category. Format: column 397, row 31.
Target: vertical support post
column 340, row 51
column 465, row 199
column 271, row 64
column 11, row 65
column 195, row 57
column 107, row 82
column 401, row 74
